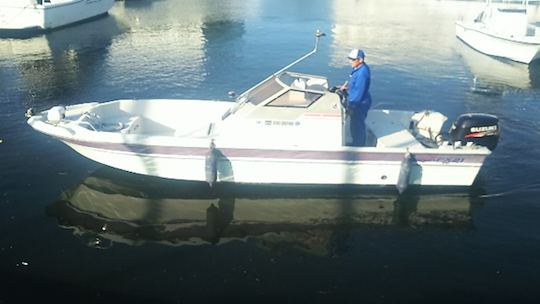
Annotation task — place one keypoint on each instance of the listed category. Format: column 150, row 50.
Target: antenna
column 318, row 35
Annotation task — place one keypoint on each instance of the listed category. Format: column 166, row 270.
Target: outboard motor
column 480, row 129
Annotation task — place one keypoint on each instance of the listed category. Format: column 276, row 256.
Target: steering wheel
column 342, row 95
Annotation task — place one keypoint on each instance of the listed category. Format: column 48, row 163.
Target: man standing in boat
column 359, row 99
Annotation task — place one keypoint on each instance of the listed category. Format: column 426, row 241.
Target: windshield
column 283, row 81
column 263, row 91
column 295, row 99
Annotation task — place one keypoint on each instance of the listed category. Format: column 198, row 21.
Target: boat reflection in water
column 111, row 206
column 493, row 76
column 61, row 63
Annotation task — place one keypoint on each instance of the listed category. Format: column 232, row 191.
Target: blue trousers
column 358, row 127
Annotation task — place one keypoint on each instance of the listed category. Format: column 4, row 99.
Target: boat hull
column 36, row 17
column 349, row 165
column 524, row 51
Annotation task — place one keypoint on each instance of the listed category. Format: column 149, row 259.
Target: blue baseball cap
column 355, row 54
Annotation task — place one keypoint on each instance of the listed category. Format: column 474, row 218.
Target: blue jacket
column 358, row 88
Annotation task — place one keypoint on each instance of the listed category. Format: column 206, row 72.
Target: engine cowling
column 477, row 128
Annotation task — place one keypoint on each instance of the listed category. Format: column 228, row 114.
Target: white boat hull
column 354, row 166
column 23, row 15
column 522, row 50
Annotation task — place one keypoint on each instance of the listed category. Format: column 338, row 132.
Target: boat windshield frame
column 294, row 99
column 269, row 81
column 281, row 84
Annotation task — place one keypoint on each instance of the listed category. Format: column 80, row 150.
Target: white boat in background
column 38, row 15
column 288, row 129
column 502, row 30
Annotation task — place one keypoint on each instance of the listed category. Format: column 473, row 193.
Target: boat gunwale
column 466, row 27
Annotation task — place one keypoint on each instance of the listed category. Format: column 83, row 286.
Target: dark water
column 74, row 231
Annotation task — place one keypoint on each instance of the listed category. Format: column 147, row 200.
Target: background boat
column 23, row 18
column 502, row 30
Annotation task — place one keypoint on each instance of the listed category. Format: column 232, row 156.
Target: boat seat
column 390, row 133
column 93, row 122
column 299, row 84
column 133, row 125
column 310, row 84
column 317, row 84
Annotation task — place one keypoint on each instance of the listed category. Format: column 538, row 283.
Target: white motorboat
column 38, row 15
column 502, row 30
column 288, row 129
